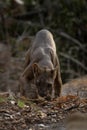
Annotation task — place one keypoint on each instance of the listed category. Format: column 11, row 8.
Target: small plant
column 21, row 104
column 2, row 99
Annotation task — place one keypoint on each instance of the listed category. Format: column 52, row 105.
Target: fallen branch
column 4, row 94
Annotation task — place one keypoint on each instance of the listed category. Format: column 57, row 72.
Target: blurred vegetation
column 66, row 19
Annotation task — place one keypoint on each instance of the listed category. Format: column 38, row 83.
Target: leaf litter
column 22, row 114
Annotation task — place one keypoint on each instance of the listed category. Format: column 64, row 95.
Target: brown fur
column 42, row 67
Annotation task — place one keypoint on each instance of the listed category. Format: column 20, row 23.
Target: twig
column 70, row 72
column 74, row 60
column 73, row 40
column 27, row 15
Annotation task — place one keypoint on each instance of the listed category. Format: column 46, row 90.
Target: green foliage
column 21, row 104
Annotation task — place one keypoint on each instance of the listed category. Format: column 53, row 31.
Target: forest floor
column 22, row 114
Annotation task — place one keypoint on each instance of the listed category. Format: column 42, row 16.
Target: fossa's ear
column 36, row 69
